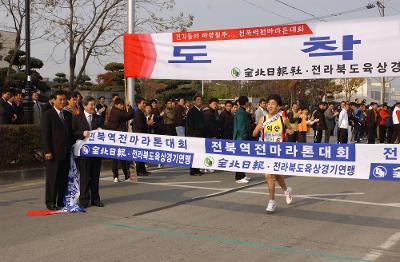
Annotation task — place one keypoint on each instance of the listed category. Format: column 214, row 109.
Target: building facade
column 370, row 90
column 7, row 39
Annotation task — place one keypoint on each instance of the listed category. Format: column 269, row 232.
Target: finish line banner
column 358, row 161
column 343, row 49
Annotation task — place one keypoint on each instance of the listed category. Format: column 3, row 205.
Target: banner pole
column 381, row 6
column 133, row 176
column 131, row 28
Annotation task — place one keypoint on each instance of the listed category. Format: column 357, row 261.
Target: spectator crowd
column 67, row 117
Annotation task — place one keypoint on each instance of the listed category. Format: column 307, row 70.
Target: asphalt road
column 171, row 216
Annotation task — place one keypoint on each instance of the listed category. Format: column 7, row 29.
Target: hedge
column 20, row 146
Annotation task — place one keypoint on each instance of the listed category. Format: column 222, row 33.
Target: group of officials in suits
column 60, row 129
column 12, row 110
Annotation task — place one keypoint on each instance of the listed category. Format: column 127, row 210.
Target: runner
column 274, row 127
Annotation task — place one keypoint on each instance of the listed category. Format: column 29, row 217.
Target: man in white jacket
column 343, row 123
column 396, row 124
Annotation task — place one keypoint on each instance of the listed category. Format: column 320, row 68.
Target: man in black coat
column 195, row 126
column 211, row 119
column 18, row 108
column 320, row 123
column 57, row 141
column 49, row 104
column 117, row 121
column 141, row 125
column 89, row 167
column 180, row 117
column 6, row 110
column 226, row 121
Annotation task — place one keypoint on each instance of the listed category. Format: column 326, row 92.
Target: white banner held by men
column 358, row 161
column 340, row 49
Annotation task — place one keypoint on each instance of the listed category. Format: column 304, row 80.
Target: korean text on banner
column 357, row 161
column 340, row 49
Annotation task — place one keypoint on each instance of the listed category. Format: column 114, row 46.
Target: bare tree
column 350, row 86
column 16, row 11
column 95, row 26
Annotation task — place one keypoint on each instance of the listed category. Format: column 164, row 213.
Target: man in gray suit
column 330, row 117
column 37, row 108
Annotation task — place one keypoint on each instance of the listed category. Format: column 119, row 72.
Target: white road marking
column 111, row 179
column 329, row 199
column 186, row 186
column 165, row 169
column 385, row 246
column 315, row 195
column 170, row 172
column 334, row 194
column 397, row 205
column 198, row 182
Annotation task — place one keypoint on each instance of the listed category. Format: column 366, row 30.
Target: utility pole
column 28, row 103
column 202, row 88
column 131, row 30
column 381, row 7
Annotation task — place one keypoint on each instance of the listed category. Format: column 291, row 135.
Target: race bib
column 273, row 137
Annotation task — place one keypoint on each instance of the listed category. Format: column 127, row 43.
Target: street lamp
column 27, row 103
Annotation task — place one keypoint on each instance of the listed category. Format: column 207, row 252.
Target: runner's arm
column 258, row 128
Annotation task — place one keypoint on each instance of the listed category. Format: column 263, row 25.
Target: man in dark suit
column 101, row 107
column 211, row 119
column 319, row 125
column 226, row 121
column 18, row 108
column 79, row 104
column 117, row 121
column 89, row 167
column 49, row 104
column 141, row 125
column 6, row 110
column 57, row 141
column 195, row 126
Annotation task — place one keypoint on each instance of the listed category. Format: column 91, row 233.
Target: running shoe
column 247, row 178
column 116, row 180
column 242, row 181
column 289, row 197
column 271, row 207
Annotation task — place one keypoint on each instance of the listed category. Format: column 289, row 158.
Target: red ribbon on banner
column 242, row 33
column 139, row 55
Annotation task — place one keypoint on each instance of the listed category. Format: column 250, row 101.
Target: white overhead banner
column 357, row 161
column 352, row 48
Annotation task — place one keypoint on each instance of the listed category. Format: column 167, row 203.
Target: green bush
column 20, row 146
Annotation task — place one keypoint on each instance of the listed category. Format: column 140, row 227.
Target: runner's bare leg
column 271, row 185
column 281, row 182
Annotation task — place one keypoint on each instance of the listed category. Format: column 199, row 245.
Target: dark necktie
column 61, row 116
column 90, row 117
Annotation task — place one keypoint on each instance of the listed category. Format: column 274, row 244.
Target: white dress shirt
column 343, row 119
column 89, row 118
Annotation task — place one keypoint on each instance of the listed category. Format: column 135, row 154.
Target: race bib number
column 273, row 137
